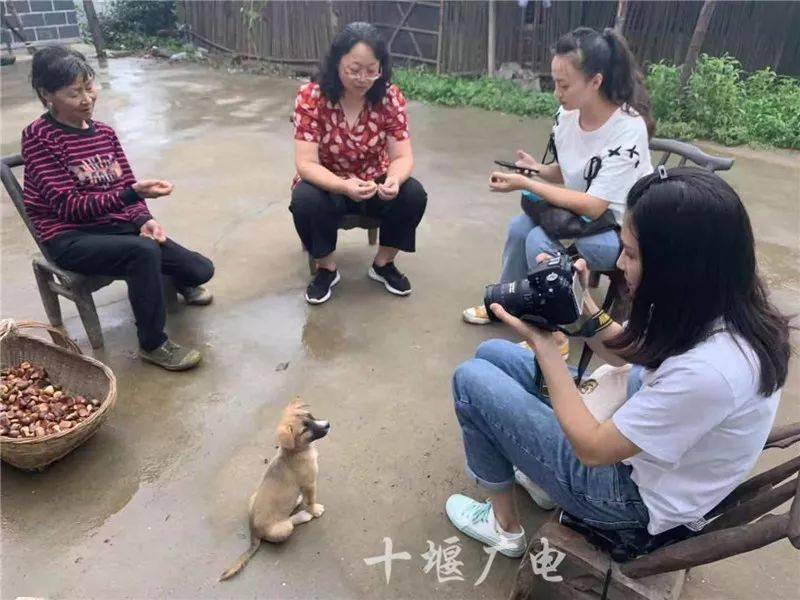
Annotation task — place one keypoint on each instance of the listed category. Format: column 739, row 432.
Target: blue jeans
column 504, row 423
column 526, row 240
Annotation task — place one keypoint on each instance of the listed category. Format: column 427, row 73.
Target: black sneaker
column 319, row 290
column 391, row 278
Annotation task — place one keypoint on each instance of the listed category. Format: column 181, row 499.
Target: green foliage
column 483, row 92
column 772, row 109
column 714, row 99
column 664, row 84
column 721, row 102
column 724, row 104
column 132, row 24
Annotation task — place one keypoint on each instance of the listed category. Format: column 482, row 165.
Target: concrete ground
column 155, row 504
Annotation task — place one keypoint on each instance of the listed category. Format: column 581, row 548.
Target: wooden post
column 439, row 39
column 19, row 32
column 699, row 35
column 333, row 20
column 521, row 38
column 622, row 12
column 490, row 56
column 94, row 28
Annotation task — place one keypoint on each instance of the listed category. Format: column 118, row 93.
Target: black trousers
column 119, row 251
column 317, row 214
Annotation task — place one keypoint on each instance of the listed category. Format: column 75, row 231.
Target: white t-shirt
column 701, row 424
column 621, row 145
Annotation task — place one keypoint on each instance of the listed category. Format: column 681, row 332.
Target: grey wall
column 42, row 21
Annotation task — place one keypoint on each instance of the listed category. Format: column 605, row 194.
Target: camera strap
column 550, row 151
column 583, row 363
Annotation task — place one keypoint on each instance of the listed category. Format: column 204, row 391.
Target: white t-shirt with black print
column 618, row 152
column 701, row 423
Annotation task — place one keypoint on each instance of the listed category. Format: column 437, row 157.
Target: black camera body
column 546, row 298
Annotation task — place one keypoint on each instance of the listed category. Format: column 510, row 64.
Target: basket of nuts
column 52, row 397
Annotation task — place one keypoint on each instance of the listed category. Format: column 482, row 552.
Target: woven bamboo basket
column 67, row 367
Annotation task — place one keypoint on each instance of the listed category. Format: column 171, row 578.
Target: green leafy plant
column 664, row 84
column 714, row 99
column 721, row 102
column 133, row 24
column 482, row 92
column 772, row 109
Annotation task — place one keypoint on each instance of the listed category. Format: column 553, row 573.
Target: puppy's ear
column 286, row 437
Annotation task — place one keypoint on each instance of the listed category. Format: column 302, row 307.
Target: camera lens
column 545, row 298
column 514, row 297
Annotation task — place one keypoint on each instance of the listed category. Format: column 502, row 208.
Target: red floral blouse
column 360, row 151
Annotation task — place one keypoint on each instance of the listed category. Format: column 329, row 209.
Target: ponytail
column 609, row 55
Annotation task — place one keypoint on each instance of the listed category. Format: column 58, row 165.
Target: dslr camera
column 548, row 297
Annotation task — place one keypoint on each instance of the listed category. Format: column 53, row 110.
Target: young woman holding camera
column 713, row 355
column 600, row 138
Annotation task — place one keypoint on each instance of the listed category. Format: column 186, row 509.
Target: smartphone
column 577, row 290
column 510, row 165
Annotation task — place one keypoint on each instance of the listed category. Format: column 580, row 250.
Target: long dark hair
column 352, row 34
column 55, row 67
column 698, row 264
column 607, row 53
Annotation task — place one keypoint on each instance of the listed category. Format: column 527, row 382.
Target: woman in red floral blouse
column 353, row 155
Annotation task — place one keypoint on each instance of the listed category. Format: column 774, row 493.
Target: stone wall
column 43, row 21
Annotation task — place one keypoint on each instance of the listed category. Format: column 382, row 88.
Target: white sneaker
column 541, row 498
column 476, row 315
column 476, row 519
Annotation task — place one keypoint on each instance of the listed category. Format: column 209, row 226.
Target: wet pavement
column 155, row 504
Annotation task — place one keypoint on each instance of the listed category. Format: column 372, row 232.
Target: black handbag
column 560, row 223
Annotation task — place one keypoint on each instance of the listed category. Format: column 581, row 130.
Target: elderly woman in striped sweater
column 88, row 209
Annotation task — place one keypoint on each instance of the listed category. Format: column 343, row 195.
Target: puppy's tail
column 255, row 543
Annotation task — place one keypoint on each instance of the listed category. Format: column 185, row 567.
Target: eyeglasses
column 363, row 74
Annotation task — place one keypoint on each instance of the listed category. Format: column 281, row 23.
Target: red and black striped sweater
column 77, row 179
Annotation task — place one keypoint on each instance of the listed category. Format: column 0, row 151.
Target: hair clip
column 662, row 172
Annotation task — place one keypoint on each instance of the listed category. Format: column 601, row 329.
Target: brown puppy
column 290, row 479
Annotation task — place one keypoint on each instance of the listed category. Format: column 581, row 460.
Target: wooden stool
column 371, row 224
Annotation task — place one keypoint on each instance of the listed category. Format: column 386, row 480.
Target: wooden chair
column 371, row 224
column 53, row 281
column 688, row 152
column 741, row 523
